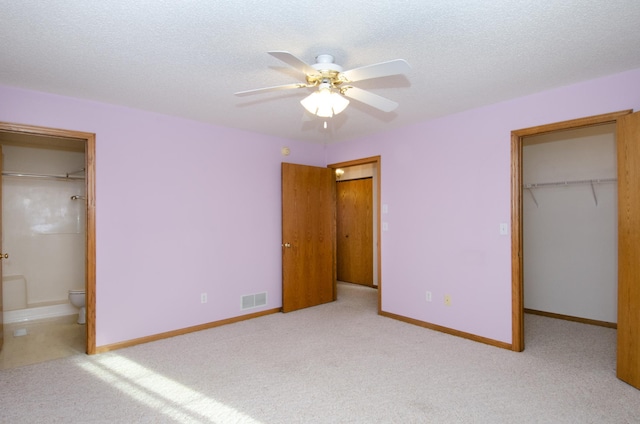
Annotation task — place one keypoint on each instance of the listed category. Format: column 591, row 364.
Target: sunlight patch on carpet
column 163, row 394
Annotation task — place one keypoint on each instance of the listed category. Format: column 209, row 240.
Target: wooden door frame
column 377, row 161
column 517, row 136
column 89, row 140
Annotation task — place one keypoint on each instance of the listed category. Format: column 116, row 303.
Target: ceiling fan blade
column 369, row 98
column 274, row 88
column 377, row 70
column 294, row 62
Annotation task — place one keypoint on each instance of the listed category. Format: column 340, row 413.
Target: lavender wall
column 185, row 207
column 182, row 208
column 447, row 186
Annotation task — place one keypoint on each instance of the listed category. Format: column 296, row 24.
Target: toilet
column 77, row 299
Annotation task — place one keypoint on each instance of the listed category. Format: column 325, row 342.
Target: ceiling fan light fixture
column 324, row 102
column 334, row 84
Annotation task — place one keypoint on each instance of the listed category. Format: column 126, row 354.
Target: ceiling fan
column 334, row 84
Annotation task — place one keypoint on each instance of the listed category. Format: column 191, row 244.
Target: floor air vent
column 254, row 300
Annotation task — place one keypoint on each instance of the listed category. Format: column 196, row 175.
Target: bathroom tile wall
column 43, row 228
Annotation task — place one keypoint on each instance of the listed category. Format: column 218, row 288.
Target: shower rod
column 59, row 177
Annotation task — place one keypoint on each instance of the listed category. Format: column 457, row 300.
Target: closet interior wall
column 570, row 223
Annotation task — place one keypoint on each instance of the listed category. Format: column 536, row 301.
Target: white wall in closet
column 570, row 231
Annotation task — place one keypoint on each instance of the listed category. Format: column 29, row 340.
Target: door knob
column 4, row 255
column 287, row 245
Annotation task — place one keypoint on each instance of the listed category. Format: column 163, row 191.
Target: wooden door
column 1, row 254
column 308, row 236
column 355, row 231
column 628, row 142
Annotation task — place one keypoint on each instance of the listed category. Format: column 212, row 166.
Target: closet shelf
column 592, row 183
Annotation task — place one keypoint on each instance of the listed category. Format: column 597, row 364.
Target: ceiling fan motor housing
column 328, row 71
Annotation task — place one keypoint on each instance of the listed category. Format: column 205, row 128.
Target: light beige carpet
column 335, row 363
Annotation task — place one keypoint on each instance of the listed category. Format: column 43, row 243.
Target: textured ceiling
column 187, row 58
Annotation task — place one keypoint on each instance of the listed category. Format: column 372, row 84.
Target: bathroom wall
column 43, row 229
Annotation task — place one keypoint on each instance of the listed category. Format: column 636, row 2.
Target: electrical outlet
column 428, row 296
column 447, row 299
column 203, row 298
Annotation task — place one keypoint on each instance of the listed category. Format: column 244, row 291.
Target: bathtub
column 16, row 309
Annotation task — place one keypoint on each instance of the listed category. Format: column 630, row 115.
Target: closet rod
column 64, row 177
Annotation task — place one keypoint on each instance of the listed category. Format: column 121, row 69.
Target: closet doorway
column 42, row 139
column 628, row 194
column 569, row 213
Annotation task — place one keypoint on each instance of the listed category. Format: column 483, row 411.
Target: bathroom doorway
column 56, row 168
